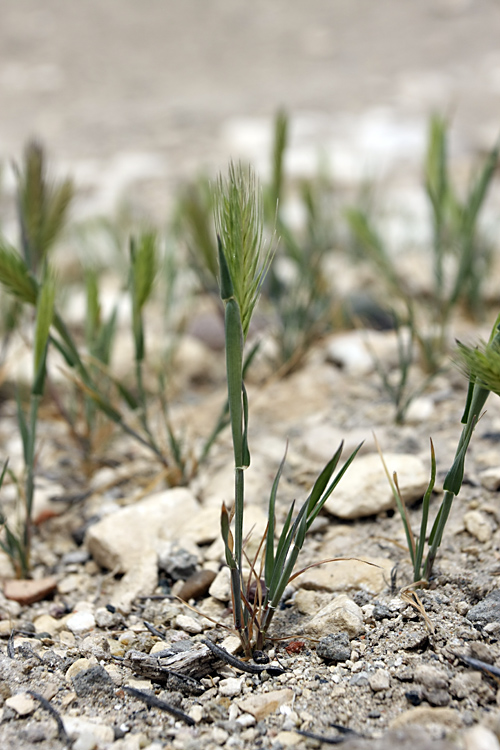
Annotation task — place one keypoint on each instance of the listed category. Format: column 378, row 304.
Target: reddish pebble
column 28, row 591
column 197, row 585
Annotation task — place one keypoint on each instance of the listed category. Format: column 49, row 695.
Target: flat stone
column 487, row 610
column 263, row 704
column 120, row 540
column 430, row 677
column 341, row 614
column 29, row 591
column 369, row 574
column 22, row 703
column 365, row 491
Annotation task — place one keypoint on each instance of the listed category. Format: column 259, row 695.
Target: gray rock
column 486, row 611
column 359, row 679
column 91, row 681
column 430, row 677
column 178, row 563
column 381, row 612
column 334, row 647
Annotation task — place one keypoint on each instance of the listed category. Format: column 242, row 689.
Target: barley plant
column 244, row 260
column 482, row 366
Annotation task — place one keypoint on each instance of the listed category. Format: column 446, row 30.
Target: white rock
column 221, row 585
column 480, row 738
column 76, row 726
column 80, row 622
column 477, row 523
column 490, row 478
column 367, row 573
column 119, row 540
column 379, row 680
column 231, row 686
column 420, row 410
column 364, row 490
column 341, row 614
column 189, row 624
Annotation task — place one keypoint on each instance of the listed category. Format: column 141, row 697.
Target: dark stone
column 488, row 610
column 334, row 647
column 93, row 680
column 179, row 564
column 381, row 612
column 414, row 697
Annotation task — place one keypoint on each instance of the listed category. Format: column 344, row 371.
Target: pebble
column 487, row 610
column 80, row 622
column 29, row 591
column 334, row 647
column 263, row 704
column 341, row 614
column 48, row 624
column 490, row 478
column 177, row 562
column 197, row 585
column 231, row 686
column 477, row 523
column 75, row 726
column 22, row 703
column 221, row 587
column 188, row 624
column 430, row 677
column 78, row 666
column 365, row 491
column 379, row 680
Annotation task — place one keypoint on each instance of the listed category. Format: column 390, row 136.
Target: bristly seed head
column 239, row 221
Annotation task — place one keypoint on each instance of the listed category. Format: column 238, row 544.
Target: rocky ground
column 354, row 652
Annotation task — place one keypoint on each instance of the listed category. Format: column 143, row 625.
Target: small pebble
column 22, row 703
column 334, row 647
column 80, row 622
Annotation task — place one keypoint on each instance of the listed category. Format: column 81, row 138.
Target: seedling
column 244, row 261
column 482, row 365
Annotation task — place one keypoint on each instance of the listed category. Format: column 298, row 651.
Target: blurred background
column 131, row 98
